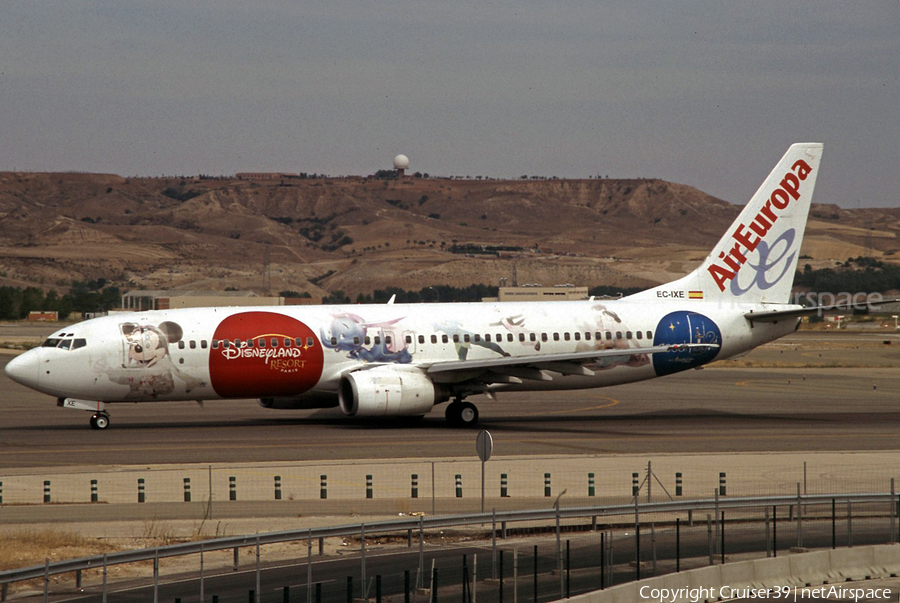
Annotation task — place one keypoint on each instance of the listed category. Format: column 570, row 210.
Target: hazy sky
column 707, row 92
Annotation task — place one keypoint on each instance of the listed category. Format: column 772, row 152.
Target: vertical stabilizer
column 756, row 259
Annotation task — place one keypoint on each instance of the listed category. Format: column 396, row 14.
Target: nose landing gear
column 100, row 421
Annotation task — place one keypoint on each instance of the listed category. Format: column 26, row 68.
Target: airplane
column 400, row 360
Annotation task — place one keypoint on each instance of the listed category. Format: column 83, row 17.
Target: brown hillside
column 367, row 234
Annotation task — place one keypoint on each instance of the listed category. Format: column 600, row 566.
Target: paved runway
column 846, row 397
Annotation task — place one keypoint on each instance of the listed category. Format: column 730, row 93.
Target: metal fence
column 527, row 555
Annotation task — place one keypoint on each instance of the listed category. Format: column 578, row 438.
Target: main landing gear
column 461, row 414
column 100, row 421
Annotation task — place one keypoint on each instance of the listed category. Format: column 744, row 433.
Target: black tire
column 100, row 421
column 453, row 414
column 468, row 415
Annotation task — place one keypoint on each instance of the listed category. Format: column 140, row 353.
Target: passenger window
column 274, row 342
column 192, row 344
column 532, row 336
column 408, row 339
column 455, row 338
column 639, row 335
column 598, row 335
column 466, row 338
column 377, row 340
column 356, row 341
column 387, row 340
column 368, row 340
column 566, row 336
column 608, row 335
column 627, row 334
column 556, row 337
column 310, row 342
column 226, row 344
column 618, row 334
column 509, row 337
column 522, row 337
column 249, row 343
column 421, row 339
column 444, row 338
column 543, row 337
column 287, row 342
column 203, row 344
column 649, row 334
column 434, row 339
column 334, row 341
column 487, row 338
column 215, row 344
column 577, row 336
column 262, row 343
column 477, row 338
column 181, row 345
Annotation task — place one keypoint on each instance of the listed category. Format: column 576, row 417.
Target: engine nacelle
column 306, row 401
column 389, row 391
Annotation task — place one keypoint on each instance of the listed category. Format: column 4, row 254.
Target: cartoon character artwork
column 350, row 333
column 148, row 344
column 465, row 340
column 147, row 368
column 608, row 321
column 516, row 326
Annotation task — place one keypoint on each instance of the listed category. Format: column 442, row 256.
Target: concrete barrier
column 851, row 564
column 798, row 570
column 809, row 568
column 770, row 571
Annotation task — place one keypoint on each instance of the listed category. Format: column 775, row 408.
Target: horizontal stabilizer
column 777, row 315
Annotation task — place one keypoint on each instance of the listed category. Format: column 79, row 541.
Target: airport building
column 142, row 299
column 539, row 293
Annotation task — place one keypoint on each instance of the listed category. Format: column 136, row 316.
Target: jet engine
column 389, row 391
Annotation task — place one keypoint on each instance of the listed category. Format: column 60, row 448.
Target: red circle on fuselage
column 264, row 354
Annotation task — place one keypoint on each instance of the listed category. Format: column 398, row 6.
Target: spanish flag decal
column 695, row 294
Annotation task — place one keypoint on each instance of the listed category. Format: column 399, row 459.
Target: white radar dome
column 401, row 162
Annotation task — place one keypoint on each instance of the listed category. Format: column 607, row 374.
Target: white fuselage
column 216, row 353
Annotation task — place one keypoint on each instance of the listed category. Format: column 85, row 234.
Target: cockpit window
column 64, row 342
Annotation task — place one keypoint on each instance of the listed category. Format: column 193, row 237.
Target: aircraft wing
column 776, row 315
column 516, row 368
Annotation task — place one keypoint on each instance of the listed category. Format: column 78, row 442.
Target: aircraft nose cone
column 24, row 369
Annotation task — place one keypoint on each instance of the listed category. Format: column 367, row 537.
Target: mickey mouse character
column 148, row 344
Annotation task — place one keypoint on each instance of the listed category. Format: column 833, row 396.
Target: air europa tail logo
column 746, row 240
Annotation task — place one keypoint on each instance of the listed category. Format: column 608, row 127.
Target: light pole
column 895, row 317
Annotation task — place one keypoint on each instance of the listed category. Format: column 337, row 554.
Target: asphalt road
column 818, row 406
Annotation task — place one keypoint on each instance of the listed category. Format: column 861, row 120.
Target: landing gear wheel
column 468, row 415
column 100, row 421
column 452, row 414
column 462, row 414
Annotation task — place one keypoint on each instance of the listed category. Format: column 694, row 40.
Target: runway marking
column 612, row 402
